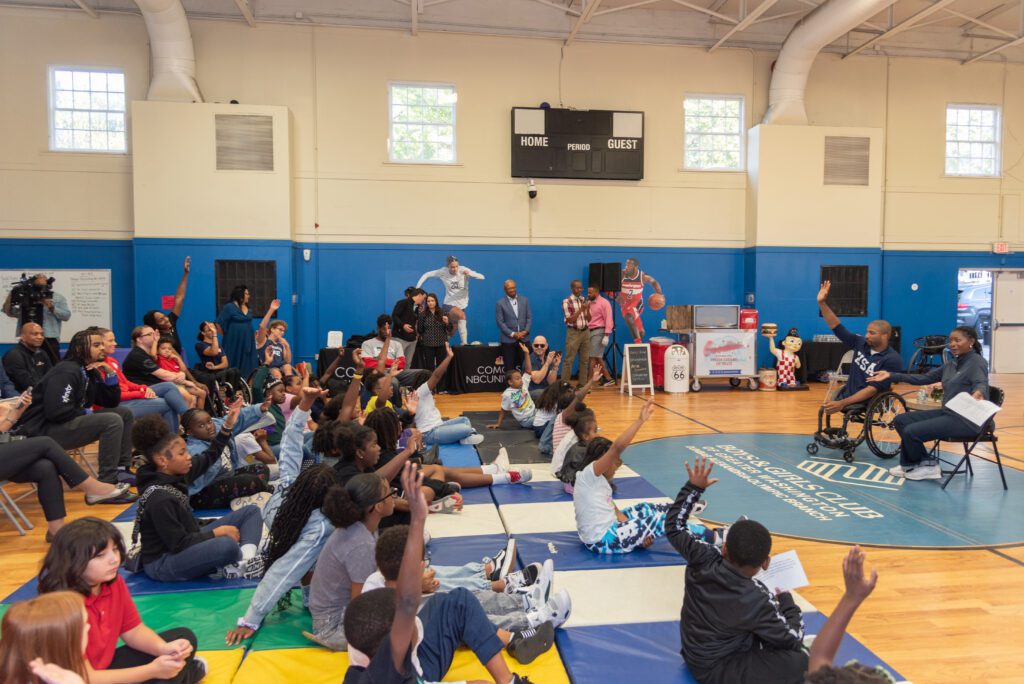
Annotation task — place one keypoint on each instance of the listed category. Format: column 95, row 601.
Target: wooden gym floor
column 936, row 616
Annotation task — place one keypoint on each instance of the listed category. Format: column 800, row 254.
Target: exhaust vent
column 245, row 142
column 846, row 160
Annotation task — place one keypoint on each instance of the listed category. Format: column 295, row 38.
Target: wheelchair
column 930, row 351
column 876, row 418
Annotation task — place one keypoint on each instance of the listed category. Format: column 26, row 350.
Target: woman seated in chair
column 967, row 372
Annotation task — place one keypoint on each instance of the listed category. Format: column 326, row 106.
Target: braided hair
column 305, row 495
column 385, row 422
column 80, row 347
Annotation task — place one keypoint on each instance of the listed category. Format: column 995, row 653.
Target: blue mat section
column 141, row 585
column 459, row 455
column 479, row 495
column 569, row 553
column 618, row 652
column 772, row 478
column 128, row 514
column 548, row 492
column 462, row 550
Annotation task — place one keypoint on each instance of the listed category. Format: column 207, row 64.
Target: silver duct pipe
column 173, row 57
column 823, row 25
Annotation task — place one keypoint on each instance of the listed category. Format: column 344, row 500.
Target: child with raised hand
column 174, row 546
column 516, row 398
column 389, row 643
column 563, row 433
column 435, row 429
column 51, row 628
column 733, row 628
column 84, row 558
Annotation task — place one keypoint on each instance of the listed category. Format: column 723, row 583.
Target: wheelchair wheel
column 246, row 391
column 848, row 456
column 812, row 448
column 879, row 424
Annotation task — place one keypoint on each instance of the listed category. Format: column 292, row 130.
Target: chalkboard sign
column 637, row 373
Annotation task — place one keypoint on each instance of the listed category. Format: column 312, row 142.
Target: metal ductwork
column 173, row 57
column 823, row 25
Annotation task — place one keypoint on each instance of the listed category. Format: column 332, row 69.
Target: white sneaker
column 556, row 610
column 897, row 471
column 924, row 473
column 475, row 438
column 520, row 476
column 502, row 462
column 540, row 590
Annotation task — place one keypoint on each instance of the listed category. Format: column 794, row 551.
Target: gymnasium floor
column 938, row 614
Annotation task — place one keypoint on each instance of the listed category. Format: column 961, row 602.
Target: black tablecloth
column 819, row 357
column 472, row 370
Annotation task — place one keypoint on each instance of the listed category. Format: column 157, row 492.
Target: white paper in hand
column 978, row 412
column 785, row 573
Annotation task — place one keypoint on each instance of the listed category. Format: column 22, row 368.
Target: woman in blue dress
column 235, row 323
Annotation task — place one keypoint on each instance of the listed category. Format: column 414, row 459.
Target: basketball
column 656, row 302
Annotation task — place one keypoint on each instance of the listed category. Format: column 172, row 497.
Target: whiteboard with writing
column 87, row 292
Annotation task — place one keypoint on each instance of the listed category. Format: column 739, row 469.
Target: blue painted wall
column 345, row 286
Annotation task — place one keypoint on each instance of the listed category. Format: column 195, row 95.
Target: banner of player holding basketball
column 631, row 297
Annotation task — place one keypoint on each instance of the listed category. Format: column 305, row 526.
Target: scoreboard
column 572, row 143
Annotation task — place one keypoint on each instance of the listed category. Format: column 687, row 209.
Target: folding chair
column 78, row 454
column 10, row 507
column 986, row 435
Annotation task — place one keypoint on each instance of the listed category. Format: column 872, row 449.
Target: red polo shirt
column 111, row 613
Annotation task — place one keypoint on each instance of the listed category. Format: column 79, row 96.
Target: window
column 422, row 119
column 260, row 277
column 713, row 126
column 849, row 293
column 973, row 135
column 87, row 110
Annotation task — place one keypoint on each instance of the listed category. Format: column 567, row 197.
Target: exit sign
column 1000, row 247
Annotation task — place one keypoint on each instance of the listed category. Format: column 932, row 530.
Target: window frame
column 997, row 110
column 742, row 167
column 51, row 80
column 454, row 124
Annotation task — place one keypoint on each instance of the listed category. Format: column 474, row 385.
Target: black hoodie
column 64, row 393
column 168, row 525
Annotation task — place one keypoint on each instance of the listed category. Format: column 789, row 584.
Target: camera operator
column 35, row 301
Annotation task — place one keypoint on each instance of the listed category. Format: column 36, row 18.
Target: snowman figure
column 786, row 359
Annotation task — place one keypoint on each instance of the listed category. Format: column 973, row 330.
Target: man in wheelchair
column 871, row 353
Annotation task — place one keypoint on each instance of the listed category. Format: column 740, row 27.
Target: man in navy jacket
column 515, row 319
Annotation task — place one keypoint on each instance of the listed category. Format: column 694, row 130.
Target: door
column 1007, row 321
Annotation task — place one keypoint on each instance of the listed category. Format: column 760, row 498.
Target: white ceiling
column 964, row 30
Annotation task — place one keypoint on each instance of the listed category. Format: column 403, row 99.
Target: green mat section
column 283, row 629
column 210, row 614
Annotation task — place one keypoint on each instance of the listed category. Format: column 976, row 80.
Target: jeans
column 917, row 427
column 307, row 447
column 505, row 611
column 168, row 391
column 113, row 428
column 203, row 558
column 126, row 656
column 469, row 576
column 41, row 460
column 450, row 620
column 449, row 432
column 150, row 407
column 545, row 437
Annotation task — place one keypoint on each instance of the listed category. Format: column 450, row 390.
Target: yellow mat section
column 320, row 666
column 222, row 665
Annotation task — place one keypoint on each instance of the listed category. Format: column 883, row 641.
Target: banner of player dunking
column 631, row 297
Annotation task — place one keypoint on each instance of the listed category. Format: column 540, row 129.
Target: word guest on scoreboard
column 573, row 143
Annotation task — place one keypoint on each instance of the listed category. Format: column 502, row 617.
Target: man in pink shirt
column 600, row 326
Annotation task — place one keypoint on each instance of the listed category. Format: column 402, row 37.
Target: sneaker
column 449, row 488
column 501, row 461
column 556, row 611
column 520, row 581
column 924, row 472
column 526, row 645
column 432, row 455
column 610, row 382
column 474, row 438
column 520, row 476
column 897, row 471
column 119, row 495
column 539, row 592
column 259, row 500
column 699, row 507
column 251, row 568
column 200, row 668
column 449, row 504
column 502, row 561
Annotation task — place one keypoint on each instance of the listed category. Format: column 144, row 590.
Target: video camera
column 27, row 299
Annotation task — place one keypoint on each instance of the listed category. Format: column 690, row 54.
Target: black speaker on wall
column 608, row 277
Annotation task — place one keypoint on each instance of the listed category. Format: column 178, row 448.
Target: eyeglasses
column 541, row 346
column 393, row 492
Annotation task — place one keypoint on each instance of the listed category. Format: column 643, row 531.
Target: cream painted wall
column 334, row 84
column 180, row 193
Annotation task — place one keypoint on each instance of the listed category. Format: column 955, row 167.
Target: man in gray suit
column 514, row 321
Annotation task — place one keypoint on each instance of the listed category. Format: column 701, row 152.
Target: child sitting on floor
column 174, row 546
column 51, row 628
column 389, row 643
column 733, row 628
column 85, row 557
column 513, row 601
column 516, row 398
column 435, row 429
column 555, row 398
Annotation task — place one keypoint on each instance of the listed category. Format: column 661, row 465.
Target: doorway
column 1007, row 321
column 974, row 305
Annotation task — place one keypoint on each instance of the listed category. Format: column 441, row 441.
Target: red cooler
column 659, row 345
column 748, row 319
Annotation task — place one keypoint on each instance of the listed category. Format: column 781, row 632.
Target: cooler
column 659, row 345
column 677, row 369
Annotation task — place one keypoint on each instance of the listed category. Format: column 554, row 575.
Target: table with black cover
column 474, row 369
column 817, row 357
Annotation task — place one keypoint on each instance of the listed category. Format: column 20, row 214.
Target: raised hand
column 448, row 350
column 309, row 396
column 858, row 586
column 823, row 292
column 275, row 305
column 648, row 410
column 698, row 473
column 233, row 411
column 357, row 359
column 268, row 355
column 188, row 265
column 412, row 481
column 526, row 350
